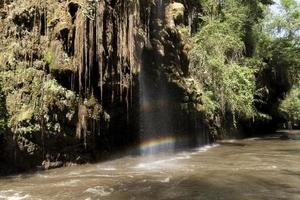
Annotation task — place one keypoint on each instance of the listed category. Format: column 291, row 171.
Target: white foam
column 166, row 180
column 6, row 191
column 96, row 175
column 107, row 168
column 42, row 176
column 168, row 162
column 100, row 190
column 156, row 164
column 205, row 148
column 272, row 167
column 12, row 195
column 70, row 183
column 183, row 156
column 73, row 173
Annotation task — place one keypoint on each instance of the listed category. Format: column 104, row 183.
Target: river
column 250, row 169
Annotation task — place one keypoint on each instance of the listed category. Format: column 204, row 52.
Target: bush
column 290, row 106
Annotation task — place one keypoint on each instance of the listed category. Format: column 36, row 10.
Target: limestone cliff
column 90, row 53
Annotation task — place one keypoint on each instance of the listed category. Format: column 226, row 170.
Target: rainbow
column 157, row 143
column 164, row 144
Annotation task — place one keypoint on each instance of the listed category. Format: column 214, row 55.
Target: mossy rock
column 57, row 58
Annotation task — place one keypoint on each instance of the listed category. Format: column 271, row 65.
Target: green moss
column 49, row 58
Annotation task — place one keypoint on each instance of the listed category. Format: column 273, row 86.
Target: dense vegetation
column 279, row 49
column 290, row 106
column 247, row 59
column 60, row 89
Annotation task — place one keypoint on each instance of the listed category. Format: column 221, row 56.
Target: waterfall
column 164, row 125
column 155, row 118
column 155, row 124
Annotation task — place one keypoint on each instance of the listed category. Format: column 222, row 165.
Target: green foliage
column 239, row 86
column 246, row 63
column 222, row 58
column 210, row 9
column 239, row 15
column 32, row 97
column 216, row 62
column 278, row 47
column 281, row 40
column 211, row 105
column 48, row 57
column 284, row 58
column 285, row 23
column 58, row 106
column 290, row 106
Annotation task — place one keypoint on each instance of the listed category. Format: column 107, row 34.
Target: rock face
column 92, row 48
column 174, row 13
column 95, row 49
column 108, row 43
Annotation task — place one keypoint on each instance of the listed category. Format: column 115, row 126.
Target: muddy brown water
column 251, row 169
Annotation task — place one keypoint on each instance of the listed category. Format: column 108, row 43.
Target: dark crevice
column 73, row 8
column 64, row 37
column 71, row 45
column 24, row 20
column 43, row 25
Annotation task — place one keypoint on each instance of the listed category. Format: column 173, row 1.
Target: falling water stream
column 251, row 169
column 156, row 124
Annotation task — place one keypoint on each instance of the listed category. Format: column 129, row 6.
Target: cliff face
column 108, row 43
column 73, row 66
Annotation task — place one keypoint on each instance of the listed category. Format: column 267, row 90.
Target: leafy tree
column 218, row 59
column 278, row 48
column 290, row 106
column 286, row 22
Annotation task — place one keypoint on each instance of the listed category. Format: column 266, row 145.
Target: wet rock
column 46, row 165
